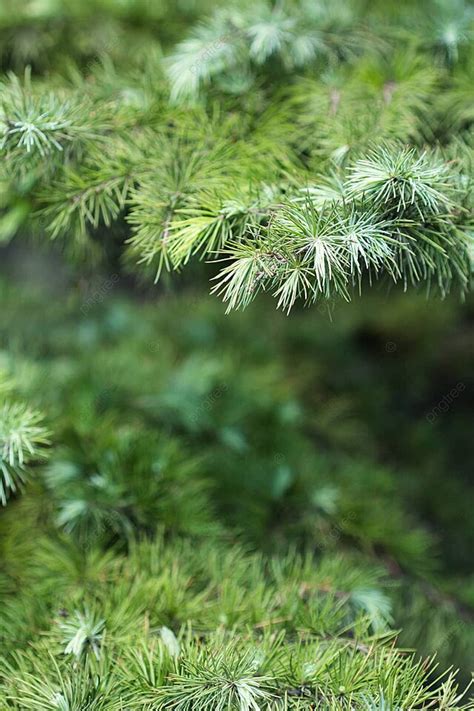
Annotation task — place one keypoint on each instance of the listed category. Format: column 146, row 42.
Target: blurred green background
column 341, row 429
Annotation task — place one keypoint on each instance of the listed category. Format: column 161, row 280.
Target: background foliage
column 242, row 511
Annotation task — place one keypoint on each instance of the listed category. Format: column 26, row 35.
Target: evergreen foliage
column 310, row 146
column 22, row 440
column 226, row 521
column 233, row 655
column 130, row 571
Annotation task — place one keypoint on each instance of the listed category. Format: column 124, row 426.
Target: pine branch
column 22, row 439
column 36, row 126
column 308, row 191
